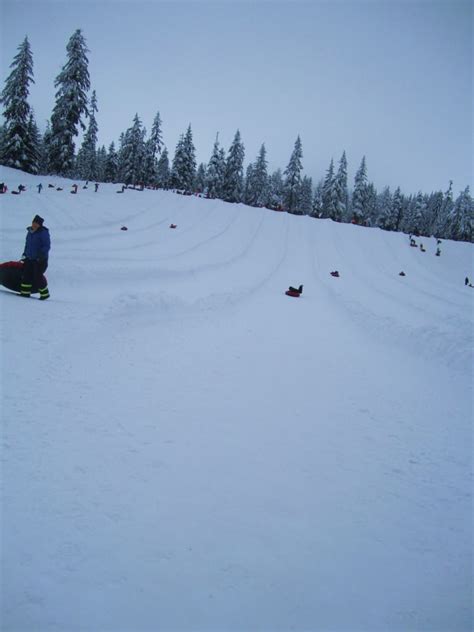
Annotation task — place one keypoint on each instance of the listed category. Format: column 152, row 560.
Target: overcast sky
column 391, row 79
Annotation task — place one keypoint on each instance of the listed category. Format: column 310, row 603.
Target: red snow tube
column 292, row 293
column 10, row 276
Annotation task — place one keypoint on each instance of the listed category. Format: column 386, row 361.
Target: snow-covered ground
column 186, row 448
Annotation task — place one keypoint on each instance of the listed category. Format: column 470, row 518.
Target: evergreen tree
column 34, row 145
column 101, row 164
column 276, row 190
column 248, row 184
column 461, row 219
column 86, row 163
column 385, row 214
column 215, row 171
column 111, row 164
column 442, row 225
column 433, row 211
column 371, row 205
column 414, row 216
column 329, row 200
column 359, row 197
column 201, row 178
column 132, row 153
column 19, row 149
column 45, row 150
column 156, row 138
column 293, row 177
column 317, row 209
column 163, row 170
column 71, row 104
column 233, row 186
column 257, row 180
column 397, row 209
column 305, row 205
column 183, row 172
column 153, row 146
column 340, row 196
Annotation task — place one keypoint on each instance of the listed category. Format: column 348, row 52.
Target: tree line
column 142, row 157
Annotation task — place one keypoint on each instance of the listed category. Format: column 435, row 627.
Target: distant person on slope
column 35, row 256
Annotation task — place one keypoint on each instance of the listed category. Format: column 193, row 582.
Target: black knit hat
column 38, row 220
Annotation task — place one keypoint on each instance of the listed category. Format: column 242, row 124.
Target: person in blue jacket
column 35, row 257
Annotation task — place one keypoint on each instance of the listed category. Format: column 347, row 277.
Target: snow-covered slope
column 187, row 448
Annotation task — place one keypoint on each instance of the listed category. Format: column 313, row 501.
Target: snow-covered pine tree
column 86, row 162
column 163, row 170
column 233, row 186
column 340, row 197
column 2, row 139
column 276, row 190
column 111, row 164
column 201, row 178
column 101, row 164
column 442, row 225
column 433, row 210
column 71, row 104
column 292, row 174
column 153, row 146
column 397, row 209
column 317, row 209
column 247, row 197
column 132, row 153
column 183, row 172
column 329, row 200
column 415, row 215
column 371, row 202
column 385, row 217
column 44, row 166
column 19, row 149
column 461, row 219
column 257, row 180
column 305, row 205
column 215, row 171
column 35, row 142
column 359, row 196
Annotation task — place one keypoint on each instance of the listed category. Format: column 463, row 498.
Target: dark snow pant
column 33, row 275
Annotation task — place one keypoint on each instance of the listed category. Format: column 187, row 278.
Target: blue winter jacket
column 37, row 243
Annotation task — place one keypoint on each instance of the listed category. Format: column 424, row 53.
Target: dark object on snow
column 96, row 185
column 335, row 273
column 50, row 186
column 466, row 281
column 422, row 248
column 59, row 189
column 438, row 241
column 292, row 291
column 173, row 226
column 15, row 193
column 124, row 228
column 438, row 252
column 74, row 186
column 39, row 187
column 3, row 188
column 402, row 273
column 11, row 273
